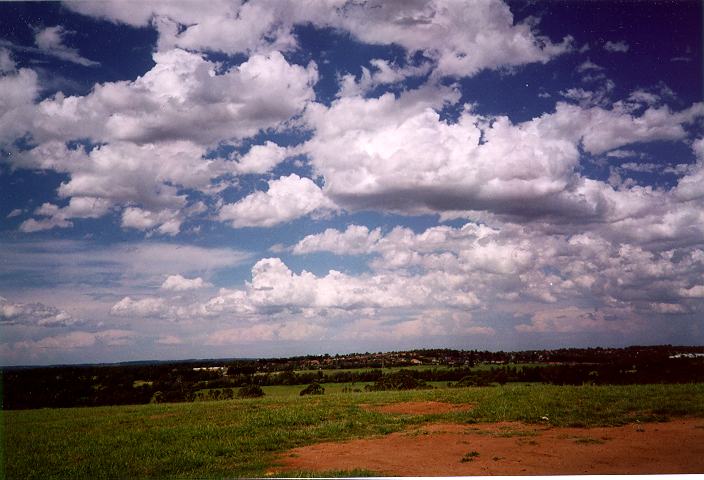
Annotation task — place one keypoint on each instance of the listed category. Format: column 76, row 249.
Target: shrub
column 250, row 391
column 313, row 389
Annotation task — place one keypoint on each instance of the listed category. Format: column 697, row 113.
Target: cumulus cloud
column 230, row 27
column 401, row 155
column 462, row 38
column 511, row 266
column 261, row 158
column 396, row 154
column 177, row 283
column 274, row 289
column 355, row 240
column 18, row 89
column 181, row 90
column 145, row 307
column 146, row 149
column 54, row 216
column 124, row 173
column 286, row 199
column 34, row 314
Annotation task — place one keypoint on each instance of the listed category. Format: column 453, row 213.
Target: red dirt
column 419, row 408
column 514, row 449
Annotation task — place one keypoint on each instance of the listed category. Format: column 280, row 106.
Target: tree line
column 74, row 386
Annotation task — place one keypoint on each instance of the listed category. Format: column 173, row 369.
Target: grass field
column 241, row 437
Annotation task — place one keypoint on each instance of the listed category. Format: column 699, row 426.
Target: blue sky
column 182, row 180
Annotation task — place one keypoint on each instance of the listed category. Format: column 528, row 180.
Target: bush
column 313, row 389
column 401, row 380
column 250, row 391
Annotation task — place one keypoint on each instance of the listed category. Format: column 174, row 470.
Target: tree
column 313, row 389
column 250, row 391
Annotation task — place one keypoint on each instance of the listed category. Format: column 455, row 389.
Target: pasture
column 243, row 437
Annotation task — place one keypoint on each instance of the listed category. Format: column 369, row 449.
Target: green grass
column 242, row 437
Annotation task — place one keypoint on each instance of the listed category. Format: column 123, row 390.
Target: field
column 247, row 437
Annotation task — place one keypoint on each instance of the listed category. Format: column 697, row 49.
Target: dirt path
column 514, row 449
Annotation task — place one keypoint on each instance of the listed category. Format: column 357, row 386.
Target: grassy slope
column 241, row 437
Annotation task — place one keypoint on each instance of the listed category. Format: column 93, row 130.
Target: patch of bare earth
column 514, row 449
column 418, row 408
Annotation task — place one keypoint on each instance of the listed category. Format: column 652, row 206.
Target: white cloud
column 54, row 216
column 600, row 97
column 145, row 264
column 697, row 291
column 601, row 130
column 231, row 27
column 574, row 319
column 78, row 339
column 261, row 158
column 398, row 154
column 7, row 63
column 621, row 153
column 145, row 307
column 462, row 38
column 691, row 186
column 587, row 66
column 641, row 167
column 183, row 89
column 286, row 199
column 124, row 173
column 382, row 73
column 165, row 222
column 616, row 47
column 148, row 149
column 177, row 283
column 18, row 89
column 668, row 308
column 355, row 240
column 169, row 340
column 50, row 41
column 34, row 314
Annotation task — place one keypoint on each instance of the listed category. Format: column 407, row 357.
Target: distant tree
column 250, row 391
column 313, row 389
column 401, row 380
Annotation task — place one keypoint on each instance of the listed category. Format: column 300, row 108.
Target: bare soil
column 514, row 449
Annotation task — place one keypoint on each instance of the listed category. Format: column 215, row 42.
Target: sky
column 193, row 179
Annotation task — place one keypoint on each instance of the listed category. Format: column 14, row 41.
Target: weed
column 588, row 441
column 469, row 457
column 524, row 441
